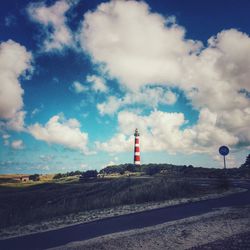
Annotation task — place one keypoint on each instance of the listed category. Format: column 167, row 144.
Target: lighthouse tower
column 137, row 158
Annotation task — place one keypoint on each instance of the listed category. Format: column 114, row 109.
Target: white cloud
column 148, row 96
column 6, row 136
column 119, row 143
column 10, row 20
column 35, row 111
column 136, row 46
column 14, row 62
column 78, row 87
column 18, row 144
column 17, row 123
column 98, row 83
column 110, row 106
column 6, row 139
column 170, row 98
column 139, row 47
column 47, row 158
column 111, row 163
column 208, row 132
column 61, row 131
column 54, row 23
column 163, row 131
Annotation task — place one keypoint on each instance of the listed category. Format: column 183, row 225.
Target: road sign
column 224, row 150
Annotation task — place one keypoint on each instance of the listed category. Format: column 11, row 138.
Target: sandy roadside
column 84, row 217
column 182, row 234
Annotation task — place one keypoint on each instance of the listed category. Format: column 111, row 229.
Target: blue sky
column 77, row 77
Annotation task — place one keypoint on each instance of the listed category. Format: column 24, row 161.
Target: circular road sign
column 224, row 150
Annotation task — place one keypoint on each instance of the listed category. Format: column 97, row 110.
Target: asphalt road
column 90, row 230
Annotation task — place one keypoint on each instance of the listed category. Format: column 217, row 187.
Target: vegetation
column 34, row 177
column 180, row 171
column 50, row 196
column 89, row 174
column 72, row 173
column 247, row 163
column 35, row 203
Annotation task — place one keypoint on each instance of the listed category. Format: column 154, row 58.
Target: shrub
column 152, row 170
column 34, row 177
column 247, row 162
column 72, row 173
column 58, row 176
column 90, row 174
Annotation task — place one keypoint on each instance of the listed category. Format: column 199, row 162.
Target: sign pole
column 224, row 150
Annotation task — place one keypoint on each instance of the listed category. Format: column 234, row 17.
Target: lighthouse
column 137, row 158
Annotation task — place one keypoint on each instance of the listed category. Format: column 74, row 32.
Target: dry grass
column 9, row 180
column 24, row 203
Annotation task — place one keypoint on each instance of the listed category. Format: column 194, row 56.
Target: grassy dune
column 24, row 203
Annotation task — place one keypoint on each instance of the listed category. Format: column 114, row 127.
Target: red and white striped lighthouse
column 137, row 158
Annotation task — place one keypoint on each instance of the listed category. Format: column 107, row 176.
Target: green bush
column 247, row 162
column 90, row 174
column 34, row 177
column 72, row 173
column 58, row 176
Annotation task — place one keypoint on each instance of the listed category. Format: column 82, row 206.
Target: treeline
column 34, row 177
column 167, row 169
column 148, row 169
column 246, row 164
column 178, row 170
column 72, row 173
column 83, row 174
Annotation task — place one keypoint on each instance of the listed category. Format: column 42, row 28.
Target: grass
column 25, row 203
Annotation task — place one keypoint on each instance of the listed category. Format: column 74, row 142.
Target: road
column 101, row 227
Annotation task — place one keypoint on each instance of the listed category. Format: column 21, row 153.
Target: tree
column 34, row 177
column 58, row 176
column 247, row 162
column 152, row 170
column 131, row 168
column 90, row 174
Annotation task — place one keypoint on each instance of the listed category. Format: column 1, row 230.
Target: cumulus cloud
column 110, row 106
column 159, row 131
column 61, row 131
column 139, row 48
column 78, row 88
column 163, row 131
column 95, row 83
column 54, row 23
column 47, row 158
column 6, row 138
column 18, row 144
column 98, row 84
column 15, row 60
column 147, row 96
column 17, row 123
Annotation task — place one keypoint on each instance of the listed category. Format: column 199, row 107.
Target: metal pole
column 224, row 157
